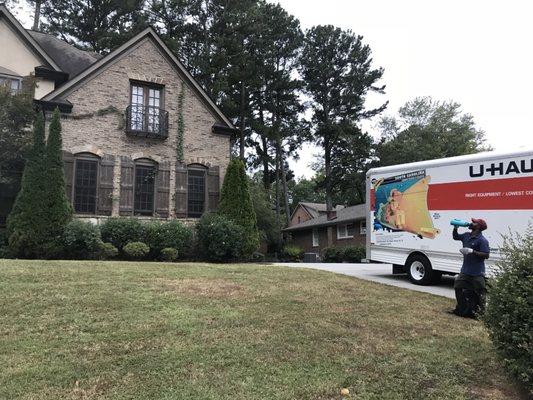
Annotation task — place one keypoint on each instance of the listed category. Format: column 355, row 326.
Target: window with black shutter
column 85, row 186
column 196, row 192
column 144, row 191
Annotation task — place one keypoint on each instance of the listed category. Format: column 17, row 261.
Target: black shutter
column 181, row 190
column 162, row 190
column 126, row 185
column 68, row 169
column 105, row 185
column 213, row 188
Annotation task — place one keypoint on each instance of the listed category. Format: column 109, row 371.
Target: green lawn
column 113, row 330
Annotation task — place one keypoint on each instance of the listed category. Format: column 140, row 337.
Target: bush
column 171, row 234
column 219, row 239
column 509, row 314
column 292, row 252
column 353, row 254
column 81, row 240
column 168, row 254
column 4, row 250
column 332, row 255
column 258, row 257
column 108, row 251
column 121, row 231
column 136, row 250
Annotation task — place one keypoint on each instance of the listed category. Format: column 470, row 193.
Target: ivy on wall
column 99, row 113
column 181, row 123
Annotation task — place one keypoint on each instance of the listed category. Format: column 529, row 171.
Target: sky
column 477, row 53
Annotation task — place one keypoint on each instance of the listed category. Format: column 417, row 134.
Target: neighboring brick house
column 120, row 129
column 305, row 211
column 346, row 226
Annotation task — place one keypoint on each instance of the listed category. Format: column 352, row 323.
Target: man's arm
column 484, row 250
column 456, row 235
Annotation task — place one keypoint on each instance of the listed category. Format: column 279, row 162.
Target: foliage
column 292, row 252
column 338, row 75
column 236, row 204
column 27, row 225
column 108, row 251
column 58, row 210
column 267, row 224
column 181, row 123
column 338, row 254
column 168, row 254
column 427, row 129
column 173, row 234
column 306, row 190
column 16, row 117
column 332, row 254
column 220, row 239
column 509, row 314
column 4, row 249
column 121, row 231
column 81, row 240
column 136, row 250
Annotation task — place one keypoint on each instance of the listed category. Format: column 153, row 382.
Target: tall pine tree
column 236, row 204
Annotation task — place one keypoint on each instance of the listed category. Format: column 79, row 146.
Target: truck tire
column 419, row 270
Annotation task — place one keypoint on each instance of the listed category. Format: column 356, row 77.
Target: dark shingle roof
column 346, row 214
column 69, row 58
column 316, row 208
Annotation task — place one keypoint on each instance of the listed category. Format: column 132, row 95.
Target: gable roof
column 106, row 60
column 27, row 38
column 314, row 210
column 69, row 58
column 344, row 215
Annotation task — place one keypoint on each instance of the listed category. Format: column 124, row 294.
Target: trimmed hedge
column 171, row 234
column 121, row 231
column 108, row 251
column 81, row 240
column 292, row 252
column 136, row 250
column 220, row 239
column 351, row 254
column 168, row 254
column 509, row 313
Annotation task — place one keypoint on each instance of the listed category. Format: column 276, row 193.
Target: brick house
column 305, row 211
column 120, row 113
column 343, row 227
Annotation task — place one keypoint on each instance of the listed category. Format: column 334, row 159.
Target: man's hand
column 466, row 250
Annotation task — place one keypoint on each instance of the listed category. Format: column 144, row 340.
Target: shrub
column 292, row 252
column 219, row 239
column 108, row 251
column 258, row 257
column 353, row 254
column 121, row 231
column 236, row 204
column 332, row 255
column 136, row 250
column 168, row 254
column 171, row 234
column 509, row 314
column 81, row 240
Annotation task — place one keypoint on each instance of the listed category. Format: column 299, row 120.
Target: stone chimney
column 37, row 15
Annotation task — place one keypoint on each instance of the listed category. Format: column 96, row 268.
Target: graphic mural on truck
column 400, row 204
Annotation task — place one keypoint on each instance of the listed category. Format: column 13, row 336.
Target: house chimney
column 332, row 215
column 37, row 15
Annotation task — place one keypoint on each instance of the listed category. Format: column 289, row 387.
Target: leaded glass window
column 144, row 189
column 85, row 184
column 196, row 191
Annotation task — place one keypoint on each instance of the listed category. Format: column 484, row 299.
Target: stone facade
column 90, row 129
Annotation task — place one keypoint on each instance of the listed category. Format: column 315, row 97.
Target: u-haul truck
column 410, row 206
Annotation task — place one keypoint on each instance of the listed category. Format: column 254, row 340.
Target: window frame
column 362, row 227
column 144, row 163
column 315, row 237
column 146, row 101
column 203, row 169
column 87, row 157
column 345, row 235
column 8, row 80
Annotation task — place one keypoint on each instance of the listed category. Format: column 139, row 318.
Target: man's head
column 478, row 225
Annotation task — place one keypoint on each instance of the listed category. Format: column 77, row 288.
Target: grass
column 114, row 330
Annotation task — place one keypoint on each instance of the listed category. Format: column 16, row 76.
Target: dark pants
column 470, row 294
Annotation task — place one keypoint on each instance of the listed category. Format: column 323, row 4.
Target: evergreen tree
column 58, row 210
column 236, row 204
column 26, row 227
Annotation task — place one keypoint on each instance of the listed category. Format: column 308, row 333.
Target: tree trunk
column 266, row 167
column 37, row 15
column 242, row 124
column 284, row 182
column 327, row 164
column 278, row 211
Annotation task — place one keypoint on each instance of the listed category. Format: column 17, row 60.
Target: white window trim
column 362, row 227
column 10, row 79
column 341, row 235
column 315, row 238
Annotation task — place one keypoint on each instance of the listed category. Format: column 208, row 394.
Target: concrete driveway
column 381, row 273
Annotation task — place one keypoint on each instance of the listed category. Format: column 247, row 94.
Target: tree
column 267, row 223
column 427, row 129
column 26, row 225
column 336, row 68
column 306, row 190
column 58, row 208
column 236, row 204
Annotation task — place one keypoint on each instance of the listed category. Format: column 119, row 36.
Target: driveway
column 381, row 273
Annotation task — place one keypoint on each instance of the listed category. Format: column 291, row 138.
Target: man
column 470, row 283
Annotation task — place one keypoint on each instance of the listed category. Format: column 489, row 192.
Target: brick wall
column 300, row 215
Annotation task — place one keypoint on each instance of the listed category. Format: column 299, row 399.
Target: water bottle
column 459, row 222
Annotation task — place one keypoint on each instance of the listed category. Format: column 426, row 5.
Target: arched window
column 196, row 189
column 86, row 183
column 144, row 187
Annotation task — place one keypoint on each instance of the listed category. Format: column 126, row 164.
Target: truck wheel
column 419, row 269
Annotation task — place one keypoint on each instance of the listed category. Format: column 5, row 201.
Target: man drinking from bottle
column 470, row 283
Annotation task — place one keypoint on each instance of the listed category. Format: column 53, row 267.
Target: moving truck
column 410, row 207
